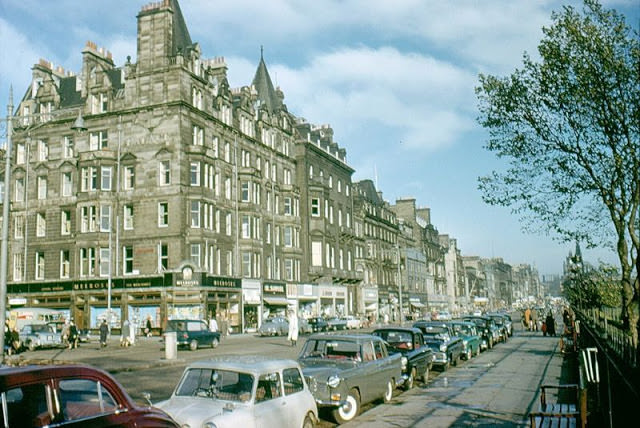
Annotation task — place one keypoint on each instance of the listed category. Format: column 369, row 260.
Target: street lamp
column 400, row 287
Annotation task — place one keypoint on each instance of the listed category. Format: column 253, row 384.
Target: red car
column 70, row 396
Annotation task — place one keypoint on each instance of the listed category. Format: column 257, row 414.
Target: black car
column 439, row 336
column 486, row 328
column 318, row 324
column 417, row 357
column 193, row 333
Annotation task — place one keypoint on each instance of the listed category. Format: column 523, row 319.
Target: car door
column 296, row 398
column 270, row 408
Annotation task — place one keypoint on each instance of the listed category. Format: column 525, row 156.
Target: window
column 315, row 207
column 227, row 152
column 245, row 191
column 21, row 155
column 288, row 269
column 89, row 178
column 39, row 272
column 198, row 136
column 288, row 236
column 129, row 181
column 227, row 188
column 105, row 218
column 246, row 229
column 86, row 394
column 339, row 186
column 128, row 217
column 163, row 214
column 42, row 187
column 330, row 181
column 88, row 219
column 43, row 151
column 87, row 261
column 98, row 140
column 214, row 147
column 246, row 265
column 127, row 259
column 67, row 184
column 195, row 214
column 19, row 193
column 269, row 387
column 196, row 97
column 195, row 173
column 67, row 147
column 228, row 224
column 287, row 206
column 164, row 173
column 195, row 254
column 105, row 261
column 287, row 176
column 65, row 222
column 163, row 253
column 17, row 267
column 19, row 226
column 105, row 176
column 316, row 253
column 41, row 224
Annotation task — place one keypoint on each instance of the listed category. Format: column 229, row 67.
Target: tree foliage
column 567, row 124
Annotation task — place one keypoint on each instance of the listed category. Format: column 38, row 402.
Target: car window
column 218, row 384
column 194, row 326
column 367, row 352
column 268, row 388
column 84, row 398
column 380, row 353
column 27, row 406
column 292, row 380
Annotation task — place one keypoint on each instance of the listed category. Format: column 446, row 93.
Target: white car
column 242, row 391
column 444, row 316
column 353, row 322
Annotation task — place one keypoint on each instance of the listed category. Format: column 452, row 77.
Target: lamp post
column 400, row 288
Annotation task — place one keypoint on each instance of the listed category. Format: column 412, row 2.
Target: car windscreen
column 397, row 339
column 41, row 328
column 216, row 384
column 463, row 329
column 331, row 349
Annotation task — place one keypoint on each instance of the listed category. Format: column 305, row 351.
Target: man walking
column 104, row 332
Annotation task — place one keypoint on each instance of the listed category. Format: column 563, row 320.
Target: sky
column 395, row 80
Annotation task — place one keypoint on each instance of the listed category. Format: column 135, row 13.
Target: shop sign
column 221, row 282
column 188, row 278
column 274, row 288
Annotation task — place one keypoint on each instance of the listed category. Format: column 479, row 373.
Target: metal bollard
column 170, row 345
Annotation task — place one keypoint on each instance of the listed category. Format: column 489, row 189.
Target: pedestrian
column 527, row 319
column 73, row 335
column 126, row 332
column 104, row 332
column 566, row 319
column 534, row 319
column 213, row 324
column 147, row 328
column 551, row 324
column 65, row 334
column 293, row 328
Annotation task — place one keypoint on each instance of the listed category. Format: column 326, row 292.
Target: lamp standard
column 400, row 287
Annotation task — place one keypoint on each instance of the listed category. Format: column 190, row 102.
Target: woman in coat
column 293, row 328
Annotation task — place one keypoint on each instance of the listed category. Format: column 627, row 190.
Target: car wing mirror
column 147, row 397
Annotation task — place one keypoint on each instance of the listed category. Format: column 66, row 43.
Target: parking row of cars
column 279, row 326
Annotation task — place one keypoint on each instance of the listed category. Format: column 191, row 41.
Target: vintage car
column 318, row 324
column 417, row 357
column 336, row 323
column 276, row 326
column 70, row 395
column 36, row 336
column 503, row 323
column 470, row 338
column 193, row 333
column 352, row 322
column 487, row 329
column 344, row 371
column 439, row 336
column 242, row 391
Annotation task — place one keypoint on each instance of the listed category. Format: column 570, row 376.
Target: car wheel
column 349, row 410
column 425, row 376
column 308, row 422
column 454, row 360
column 214, row 343
column 193, row 345
column 478, row 350
column 410, row 382
column 490, row 343
column 31, row 346
column 388, row 392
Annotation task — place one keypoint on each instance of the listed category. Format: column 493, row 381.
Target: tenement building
column 183, row 197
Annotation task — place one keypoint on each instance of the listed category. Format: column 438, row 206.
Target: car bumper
column 440, row 359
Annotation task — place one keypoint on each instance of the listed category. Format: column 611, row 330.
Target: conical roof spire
column 264, row 87
column 181, row 38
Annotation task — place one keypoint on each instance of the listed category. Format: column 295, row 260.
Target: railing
column 606, row 323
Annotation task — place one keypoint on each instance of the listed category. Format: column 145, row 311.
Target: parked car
column 242, row 391
column 501, row 323
column 353, row 322
column 336, row 323
column 71, row 395
column 470, row 338
column 36, row 336
column 303, row 326
column 443, row 316
column 318, row 324
column 193, row 333
column 276, row 326
column 344, row 371
column 439, row 337
column 486, row 328
column 508, row 323
column 417, row 357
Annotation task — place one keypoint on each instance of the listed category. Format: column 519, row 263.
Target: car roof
column 15, row 375
column 360, row 338
column 255, row 364
column 407, row 329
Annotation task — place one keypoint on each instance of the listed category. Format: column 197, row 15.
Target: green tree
column 567, row 125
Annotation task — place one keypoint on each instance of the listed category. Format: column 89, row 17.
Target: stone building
column 183, row 198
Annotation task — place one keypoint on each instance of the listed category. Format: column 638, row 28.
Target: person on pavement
column 104, row 332
column 293, row 328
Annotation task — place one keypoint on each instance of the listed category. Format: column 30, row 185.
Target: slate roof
column 181, row 39
column 264, row 87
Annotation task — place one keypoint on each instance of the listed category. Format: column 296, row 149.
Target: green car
column 470, row 337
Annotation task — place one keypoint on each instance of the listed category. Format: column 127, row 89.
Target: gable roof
column 264, row 87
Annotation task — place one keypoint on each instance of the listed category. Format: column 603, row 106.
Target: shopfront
column 370, row 297
column 333, row 300
column 308, row 298
column 251, row 298
column 274, row 299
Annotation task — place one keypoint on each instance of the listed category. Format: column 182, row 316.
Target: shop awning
column 417, row 304
column 371, row 307
column 276, row 301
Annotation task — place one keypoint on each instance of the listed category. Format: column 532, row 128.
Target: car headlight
column 333, row 381
column 404, row 361
column 464, row 346
column 443, row 348
column 206, row 425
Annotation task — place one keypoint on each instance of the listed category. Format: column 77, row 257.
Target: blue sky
column 395, row 79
